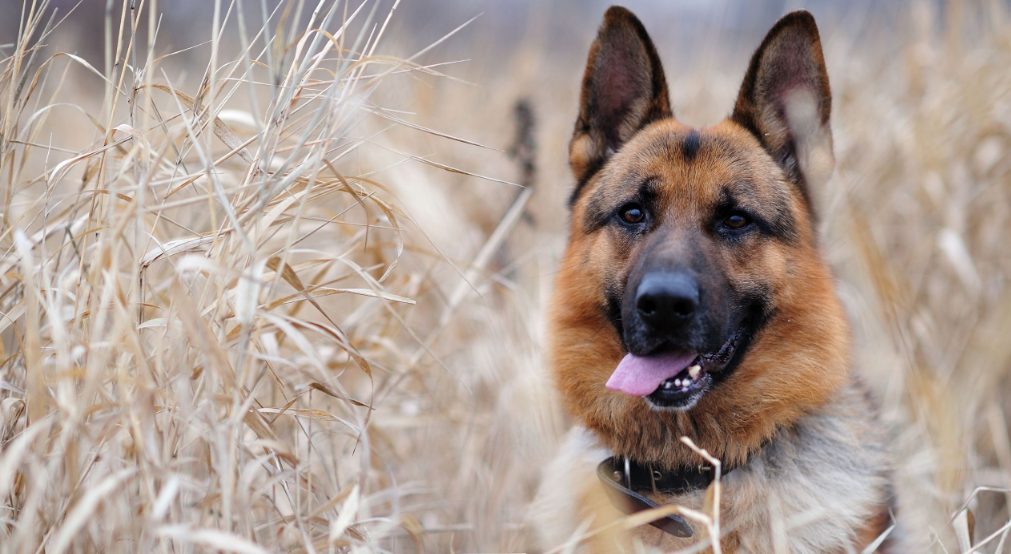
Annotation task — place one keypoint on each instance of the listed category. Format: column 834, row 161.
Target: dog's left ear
column 624, row 89
column 786, row 102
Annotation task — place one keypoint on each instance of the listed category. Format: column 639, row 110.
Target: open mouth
column 676, row 379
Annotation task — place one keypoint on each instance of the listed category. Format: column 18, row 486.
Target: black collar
column 624, row 479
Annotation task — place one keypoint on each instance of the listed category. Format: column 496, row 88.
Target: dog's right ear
column 786, row 102
column 624, row 89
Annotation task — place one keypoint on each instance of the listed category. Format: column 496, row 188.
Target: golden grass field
column 292, row 299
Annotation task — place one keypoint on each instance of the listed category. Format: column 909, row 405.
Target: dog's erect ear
column 624, row 89
column 785, row 101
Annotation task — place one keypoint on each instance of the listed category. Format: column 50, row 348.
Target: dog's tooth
column 694, row 371
column 667, row 385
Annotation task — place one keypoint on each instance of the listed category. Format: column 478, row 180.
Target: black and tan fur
column 789, row 415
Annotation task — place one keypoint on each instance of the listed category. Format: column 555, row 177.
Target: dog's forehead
column 691, row 174
column 693, row 166
column 699, row 164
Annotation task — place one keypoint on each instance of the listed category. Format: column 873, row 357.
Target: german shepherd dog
column 693, row 302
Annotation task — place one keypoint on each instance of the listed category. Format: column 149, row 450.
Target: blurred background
column 420, row 419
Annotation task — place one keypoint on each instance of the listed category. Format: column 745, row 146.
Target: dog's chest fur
column 809, row 490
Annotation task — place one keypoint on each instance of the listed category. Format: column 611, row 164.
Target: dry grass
column 257, row 313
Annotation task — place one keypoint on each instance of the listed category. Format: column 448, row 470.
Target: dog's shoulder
column 566, row 482
column 825, row 477
column 815, row 485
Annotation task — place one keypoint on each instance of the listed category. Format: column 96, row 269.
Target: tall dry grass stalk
column 202, row 307
column 255, row 313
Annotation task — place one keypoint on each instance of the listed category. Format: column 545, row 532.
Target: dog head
column 692, row 298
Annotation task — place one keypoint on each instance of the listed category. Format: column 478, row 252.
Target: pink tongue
column 640, row 376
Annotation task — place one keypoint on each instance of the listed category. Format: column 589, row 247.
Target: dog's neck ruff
column 625, row 480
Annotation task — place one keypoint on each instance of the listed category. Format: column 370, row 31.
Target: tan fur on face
column 798, row 360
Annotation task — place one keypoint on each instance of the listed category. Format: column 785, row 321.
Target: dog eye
column 633, row 214
column 736, row 221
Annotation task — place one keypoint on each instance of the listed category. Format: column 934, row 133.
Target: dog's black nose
column 667, row 299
